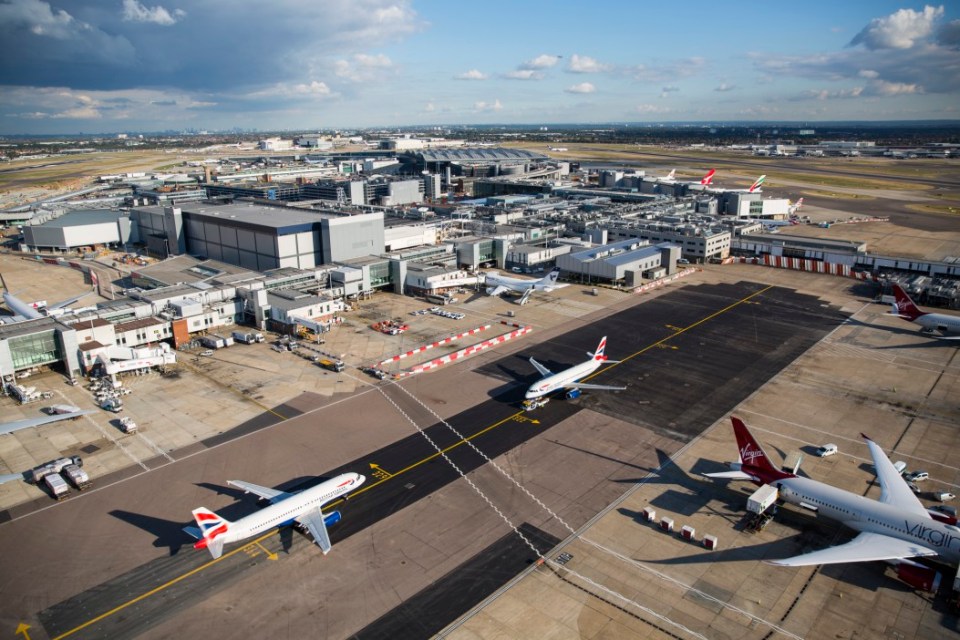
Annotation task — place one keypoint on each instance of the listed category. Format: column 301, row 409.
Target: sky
column 104, row 66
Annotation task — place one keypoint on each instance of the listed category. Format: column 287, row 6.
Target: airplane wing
column 67, row 302
column 596, row 387
column 273, row 495
column 894, row 489
column 16, row 425
column 313, row 521
column 542, row 369
column 10, row 477
column 865, row 547
column 498, row 290
column 729, row 475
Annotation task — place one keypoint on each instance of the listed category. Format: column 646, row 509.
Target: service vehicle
column 917, row 476
column 330, row 365
column 827, row 450
column 77, row 476
column 57, row 485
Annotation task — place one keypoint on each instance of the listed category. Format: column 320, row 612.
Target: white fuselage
column 20, row 308
column 940, row 322
column 519, row 285
column 287, row 510
column 863, row 514
column 560, row 380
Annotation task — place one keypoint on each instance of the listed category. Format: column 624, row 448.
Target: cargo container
column 37, row 474
column 331, row 365
column 247, row 337
column 57, row 485
column 762, row 499
column 214, row 341
column 77, row 476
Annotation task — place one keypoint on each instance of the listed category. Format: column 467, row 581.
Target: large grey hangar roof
column 481, row 154
column 84, row 217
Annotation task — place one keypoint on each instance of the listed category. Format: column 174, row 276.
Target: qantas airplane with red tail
column 894, row 528
column 941, row 325
column 708, row 179
column 303, row 508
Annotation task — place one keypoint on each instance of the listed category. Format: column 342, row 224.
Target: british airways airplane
column 568, row 378
column 894, row 528
column 946, row 326
column 303, row 508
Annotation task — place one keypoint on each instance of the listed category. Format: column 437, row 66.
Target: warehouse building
column 627, row 261
column 83, row 228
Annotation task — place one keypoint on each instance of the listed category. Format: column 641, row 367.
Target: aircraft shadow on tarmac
column 169, row 533
column 649, row 478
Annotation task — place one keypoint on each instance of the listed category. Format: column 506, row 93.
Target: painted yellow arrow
column 270, row 554
column 22, row 628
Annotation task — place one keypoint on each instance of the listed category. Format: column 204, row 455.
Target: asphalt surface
column 689, row 356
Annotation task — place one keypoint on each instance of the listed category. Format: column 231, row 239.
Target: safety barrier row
column 662, row 281
column 433, row 344
column 463, row 353
column 803, row 264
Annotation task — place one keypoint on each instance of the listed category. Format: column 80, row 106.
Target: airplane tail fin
column 672, row 174
column 756, row 185
column 905, row 306
column 708, row 179
column 598, row 354
column 4, row 283
column 212, row 528
column 799, row 204
column 752, row 455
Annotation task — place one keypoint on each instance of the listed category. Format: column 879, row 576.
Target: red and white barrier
column 802, row 264
column 662, row 281
column 463, row 353
column 433, row 344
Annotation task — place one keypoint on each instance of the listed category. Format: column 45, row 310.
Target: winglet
column 866, row 437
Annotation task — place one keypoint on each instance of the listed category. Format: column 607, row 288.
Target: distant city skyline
column 103, row 66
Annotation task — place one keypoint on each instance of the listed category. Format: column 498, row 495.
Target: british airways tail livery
column 568, row 379
column 894, row 528
column 303, row 508
column 943, row 326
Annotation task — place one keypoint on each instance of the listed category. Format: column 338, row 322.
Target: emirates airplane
column 946, row 326
column 894, row 528
column 303, row 508
column 567, row 379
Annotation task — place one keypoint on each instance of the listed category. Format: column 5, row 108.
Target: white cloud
column 40, row 19
column 523, row 74
column 473, row 74
column 543, row 61
column 884, row 88
column 667, row 70
column 651, row 108
column 362, row 67
column 900, row 30
column 487, row 106
column 314, row 88
column 133, row 11
column 824, row 94
column 586, row 64
column 583, row 87
column 429, row 107
column 723, row 87
column 870, row 74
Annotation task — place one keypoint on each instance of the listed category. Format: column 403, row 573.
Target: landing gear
column 530, row 405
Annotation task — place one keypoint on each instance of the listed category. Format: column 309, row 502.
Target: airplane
column 670, row 177
column 756, row 185
column 303, row 508
column 17, row 425
column 567, row 379
column 708, row 179
column 795, row 208
column 894, row 528
column 24, row 311
column 497, row 284
column 948, row 327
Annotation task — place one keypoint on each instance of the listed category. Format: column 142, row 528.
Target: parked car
column 917, row 476
column 206, row 353
column 827, row 450
column 945, row 496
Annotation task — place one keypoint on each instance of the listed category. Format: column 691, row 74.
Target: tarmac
column 416, row 527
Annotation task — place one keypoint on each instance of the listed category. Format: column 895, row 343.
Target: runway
column 688, row 357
